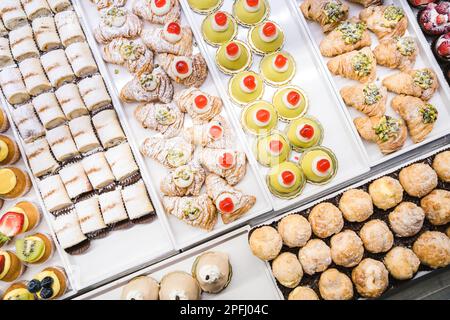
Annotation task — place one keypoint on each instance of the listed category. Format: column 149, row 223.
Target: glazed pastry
column 54, row 193
column 295, row 230
column 11, row 268
column 173, row 38
column 304, row 133
column 50, row 284
column 272, row 149
column 402, row 263
column 68, row 27
column 171, row 153
column 346, row 249
column 397, row 52
column 437, row 207
column 319, row 165
column 4, row 122
column 89, row 215
column 219, row 28
column 132, row 54
column 385, row 21
column 348, row 36
column 386, row 193
column 356, row 65
column 216, row 134
column 265, row 243
column 371, row 278
column 48, row 110
column 9, row 151
column 376, row 236
column 148, row 87
column 40, row 158
column 98, row 170
column 246, row 87
column 136, row 200
column 94, row 92
column 6, row 58
column 389, row 133
column 441, row 47
column 108, row 128
column 418, row 179
column 369, row 98
column 190, row 71
column 27, row 122
column 44, row 30
column 141, row 288
column 230, row 202
column 186, row 180
column 407, row 219
column 200, row 106
column 18, row 291
column 112, row 207
column 12, row 14
column 164, row 118
column 228, row 164
column 327, row 13
column 120, row 159
column 34, row 77
column 116, row 22
column 35, row 8
column 68, row 231
column 433, row 249
column 356, row 205
column 158, row 11
column 204, row 6
column 315, row 257
column 179, row 286
column 22, row 218
column 250, row 12
column 433, row 19
column 198, row 211
column 259, row 118
column 266, row 37
column 287, row 270
column 303, row 293
column 290, row 102
column 213, row 271
column 62, row 144
column 57, row 67
column 83, row 134
column 102, row 4
column 233, row 57
column 335, row 285
column 70, row 101
column 12, row 86
column 75, row 180
column 368, row 3
column 34, row 249
column 278, row 68
column 58, row 5
column 286, row 180
column 326, row 220
column 81, row 59
column 441, row 164
column 420, row 83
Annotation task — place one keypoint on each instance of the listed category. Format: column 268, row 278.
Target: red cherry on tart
column 182, row 67
column 287, row 178
column 262, row 117
column 252, row 3
column 160, row 3
column 226, row 160
column 216, row 132
column 172, row 32
column 269, row 32
column 281, row 63
column 174, row 28
column 293, row 98
column 226, row 204
column 323, row 165
column 249, row 84
column 306, row 132
column 275, row 147
column 220, row 21
column 201, row 103
column 233, row 51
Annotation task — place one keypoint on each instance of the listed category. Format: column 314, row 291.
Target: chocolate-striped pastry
column 199, row 105
column 117, row 22
column 228, row 164
column 40, row 158
column 44, row 30
column 121, row 161
column 83, row 134
column 172, row 38
column 81, row 59
column 183, row 181
column 69, row 28
column 27, row 122
column 136, row 200
column 94, row 93
column 12, row 14
column 171, row 153
column 22, row 43
column 97, row 170
column 57, row 67
column 155, row 12
column 216, row 134
column 54, row 193
column 48, row 110
column 61, row 142
column 58, row 5
column 190, row 71
column 35, row 8
column 12, row 86
column 68, row 231
column 108, row 128
column 70, row 100
column 112, row 207
column 164, row 118
column 89, row 215
column 6, row 58
column 34, row 76
column 148, row 87
column 75, row 180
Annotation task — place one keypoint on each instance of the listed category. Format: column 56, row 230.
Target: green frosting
column 406, row 46
column 429, row 113
column 247, row 17
column 263, row 46
column 283, row 110
column 334, row 12
column 362, row 64
column 241, row 96
column 203, row 5
column 423, row 79
column 393, row 13
column 263, row 154
column 216, row 37
column 387, row 127
column 372, row 94
column 236, row 65
column 293, row 128
column 272, row 75
column 307, row 165
column 280, row 190
column 249, row 114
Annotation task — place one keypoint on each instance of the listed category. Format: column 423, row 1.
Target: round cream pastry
column 141, row 288
column 172, row 32
column 418, row 180
column 183, row 176
column 182, row 67
column 266, row 243
column 433, row 249
column 386, row 193
column 371, row 278
column 202, row 104
column 436, row 206
column 160, row 7
column 326, row 220
column 295, row 230
column 233, row 52
column 347, row 249
column 179, row 285
column 441, row 164
column 356, row 205
column 335, row 285
column 315, row 256
column 262, row 117
column 406, row 220
column 280, row 63
column 402, row 263
column 213, row 271
column 376, row 236
column 303, row 293
column 287, row 270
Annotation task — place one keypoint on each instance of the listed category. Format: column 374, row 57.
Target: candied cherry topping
column 293, row 98
column 307, row 131
column 263, row 115
column 174, row 28
column 226, row 160
column 252, row 3
column 280, row 61
column 201, row 101
column 221, row 18
column 323, row 165
column 160, row 3
column 276, row 146
column 226, row 205
column 288, row 177
column 250, row 82
column 2, row 263
column 232, row 49
column 269, row 29
column 215, row 131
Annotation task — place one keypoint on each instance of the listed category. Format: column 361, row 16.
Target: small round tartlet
column 259, row 118
column 205, row 6
column 246, row 87
column 272, row 149
column 250, row 12
column 219, row 28
column 266, row 37
column 304, row 133
column 319, row 165
column 291, row 103
column 277, row 68
column 233, row 57
column 286, row 180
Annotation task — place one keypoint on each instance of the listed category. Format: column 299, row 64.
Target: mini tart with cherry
column 246, row 87
column 278, row 68
column 304, row 133
column 250, row 12
column 14, row 183
column 291, row 103
column 18, row 291
column 204, row 6
column 219, row 28
column 259, row 118
column 9, row 151
column 23, row 217
column 49, row 284
column 34, row 249
column 272, row 149
column 286, row 180
column 233, row 57
column 4, row 123
column 11, row 268
column 319, row 165
column 266, row 37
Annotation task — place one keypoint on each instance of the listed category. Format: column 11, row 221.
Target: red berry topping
column 174, row 28
column 444, row 49
column 276, row 146
column 263, row 115
column 201, row 101
column 441, row 19
column 2, row 263
column 280, row 61
column 288, row 177
column 215, row 131
column 250, row 82
column 252, row 3
column 307, row 131
column 232, row 49
column 221, row 18
column 226, row 160
column 11, row 224
column 293, row 98
column 160, row 3
column 226, row 205
column 182, row 67
column 269, row 29
column 323, row 165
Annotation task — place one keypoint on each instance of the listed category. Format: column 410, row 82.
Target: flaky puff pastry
column 433, row 249
column 198, row 211
column 419, row 116
column 101, row 4
column 436, row 206
column 171, row 153
column 148, row 11
column 397, row 53
column 216, row 134
column 229, row 164
column 183, row 181
column 385, row 21
column 389, row 133
column 356, row 65
column 219, row 190
column 441, row 164
column 418, row 179
column 368, row 3
column 197, row 69
column 386, row 192
column 117, row 22
column 369, row 98
column 328, row 13
column 186, row 102
column 164, row 118
column 155, row 38
column 421, row 83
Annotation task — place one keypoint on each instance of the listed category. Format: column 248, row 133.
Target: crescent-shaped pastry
column 389, row 133
column 216, row 134
column 12, row 14
column 59, row 5
column 173, row 38
column 6, row 57
column 230, row 202
column 62, row 144
column 116, row 22
column 35, row 8
column 189, row 71
column 22, row 43
column 397, row 53
column 328, row 13
column 171, row 153
column 152, row 12
column 228, row 164
column 136, row 200
column 199, row 105
column 101, row 4
column 34, row 76
column 198, row 211
column 419, row 116
column 3, row 30
column 26, row 120
column 81, row 59
column 75, row 180
column 48, row 110
column 164, row 118
column 385, row 21
column 368, row 3
column 369, row 98
column 12, row 86
column 356, row 65
column 69, row 28
column 40, row 158
column 186, row 180
column 44, row 30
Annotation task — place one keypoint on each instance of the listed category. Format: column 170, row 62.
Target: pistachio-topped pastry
column 233, row 57
column 286, row 180
column 420, row 83
column 278, row 68
column 179, row 286
column 250, row 12
column 259, row 117
column 352, row 32
column 266, row 37
column 272, row 149
column 397, row 52
column 319, row 165
column 291, row 103
column 204, row 6
column 304, row 133
column 213, row 271
column 328, row 13
column 246, row 87
column 357, row 65
column 219, row 28
column 385, row 21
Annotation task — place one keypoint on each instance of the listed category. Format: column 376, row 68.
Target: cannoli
column 68, row 230
column 201, row 106
column 116, row 22
column 94, row 93
column 34, row 76
column 216, row 134
column 28, row 123
column 97, row 170
column 171, row 153
column 62, row 144
column 397, row 52
column 228, row 164
column 45, row 33
column 57, row 67
column 108, row 128
column 157, row 12
column 12, row 85
column 70, row 100
column 369, row 98
column 12, row 14
column 112, row 207
column 328, row 13
column 48, row 110
column 81, row 59
column 40, row 158
column 356, row 65
column 83, row 134
column 69, row 28
column 6, row 58
column 190, row 71
column 186, row 180
column 136, row 200
column 22, row 43
column 89, row 215
column 59, row 5
column 75, row 180
column 164, row 118
column 385, row 21
column 54, row 193
column 102, row 4
column 35, row 8
column 173, row 39
column 121, row 161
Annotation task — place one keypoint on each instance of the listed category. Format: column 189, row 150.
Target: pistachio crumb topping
column 333, row 12
column 387, row 127
column 190, row 212
column 362, row 64
column 406, row 46
column 423, row 79
column 164, row 115
column 372, row 94
column 429, row 113
column 393, row 13
column 352, row 32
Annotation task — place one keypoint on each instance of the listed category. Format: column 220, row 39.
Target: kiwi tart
column 291, row 103
column 250, row 12
column 219, row 28
column 266, row 37
column 277, row 68
column 259, row 118
column 319, row 164
column 18, row 291
column 304, row 133
column 246, row 87
column 234, row 57
column 272, row 149
column 34, row 249
column 286, row 180
column 205, row 6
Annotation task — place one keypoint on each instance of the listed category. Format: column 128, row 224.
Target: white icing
column 183, row 172
column 252, row 9
column 218, row 28
column 171, row 37
column 223, row 197
column 268, row 39
column 261, row 123
column 299, row 136
column 205, row 108
column 281, row 181
column 282, row 69
column 162, row 10
column 174, row 67
column 317, row 172
column 135, row 295
column 209, row 274
column 115, row 17
column 178, row 295
column 288, row 104
column 245, row 88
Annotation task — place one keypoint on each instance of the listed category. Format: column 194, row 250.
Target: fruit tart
column 385, row 21
column 246, row 87
column 18, row 291
column 319, row 165
column 259, row 118
column 219, row 28
column 34, row 249
column 266, row 37
column 233, row 57
column 328, row 13
column 204, row 6
column 9, row 151
column 434, row 19
column 4, row 122
column 286, row 180
column 304, row 133
column 11, row 268
column 278, row 68
column 441, row 47
column 290, row 102
column 23, row 217
column 250, row 12
column 14, row 183
column 172, row 38
column 272, row 149
column 49, row 284
column 157, row 11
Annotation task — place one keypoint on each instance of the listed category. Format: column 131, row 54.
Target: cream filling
column 209, row 274
column 183, row 177
column 178, row 295
column 205, row 108
column 171, row 37
column 135, row 295
column 161, row 10
column 317, row 172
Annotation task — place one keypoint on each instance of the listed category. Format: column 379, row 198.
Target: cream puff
column 303, row 293
column 436, row 206
column 433, row 249
column 335, row 285
column 326, row 220
column 266, row 243
column 386, row 192
column 179, row 285
column 376, row 236
column 441, row 164
column 295, row 230
column 287, row 270
column 406, row 220
column 315, row 256
column 356, row 205
column 402, row 263
column 371, row 278
column 418, row 179
column 347, row 249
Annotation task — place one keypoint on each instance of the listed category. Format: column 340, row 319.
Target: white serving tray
column 251, row 279
column 441, row 99
column 184, row 235
column 340, row 135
